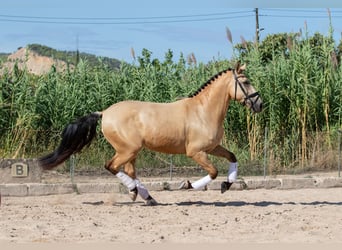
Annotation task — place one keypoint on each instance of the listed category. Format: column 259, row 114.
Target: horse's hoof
column 225, row 186
column 151, row 202
column 133, row 194
column 185, row 185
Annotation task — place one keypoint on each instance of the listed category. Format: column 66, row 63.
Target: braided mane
column 211, row 80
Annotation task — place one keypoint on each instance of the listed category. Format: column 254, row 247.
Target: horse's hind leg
column 114, row 165
column 233, row 168
column 129, row 169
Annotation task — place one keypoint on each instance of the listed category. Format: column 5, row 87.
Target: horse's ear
column 240, row 68
column 237, row 66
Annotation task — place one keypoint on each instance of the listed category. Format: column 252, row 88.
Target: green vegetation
column 299, row 78
column 73, row 57
column 3, row 56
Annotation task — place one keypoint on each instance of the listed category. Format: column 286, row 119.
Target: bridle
column 247, row 96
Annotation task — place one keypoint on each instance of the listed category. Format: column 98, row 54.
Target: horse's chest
column 206, row 138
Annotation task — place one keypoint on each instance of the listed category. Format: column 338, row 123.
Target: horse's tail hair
column 75, row 136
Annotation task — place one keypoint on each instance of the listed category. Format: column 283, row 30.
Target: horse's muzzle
column 257, row 108
column 254, row 102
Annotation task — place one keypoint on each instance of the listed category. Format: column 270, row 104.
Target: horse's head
column 243, row 91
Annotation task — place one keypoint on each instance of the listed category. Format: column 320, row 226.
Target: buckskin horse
column 191, row 126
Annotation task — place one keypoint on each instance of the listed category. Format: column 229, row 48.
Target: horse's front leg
column 202, row 159
column 233, row 168
column 140, row 189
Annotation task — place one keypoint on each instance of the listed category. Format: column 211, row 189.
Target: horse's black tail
column 74, row 137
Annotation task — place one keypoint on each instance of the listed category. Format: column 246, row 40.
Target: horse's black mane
column 209, row 82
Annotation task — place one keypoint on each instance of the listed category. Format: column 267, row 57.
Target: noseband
column 247, row 96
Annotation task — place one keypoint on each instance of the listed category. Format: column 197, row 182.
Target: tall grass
column 301, row 89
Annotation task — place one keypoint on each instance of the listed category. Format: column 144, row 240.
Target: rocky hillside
column 39, row 59
column 33, row 62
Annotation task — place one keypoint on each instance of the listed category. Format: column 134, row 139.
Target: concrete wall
column 19, row 171
column 22, row 177
column 37, row 189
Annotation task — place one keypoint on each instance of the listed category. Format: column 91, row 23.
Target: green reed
column 301, row 90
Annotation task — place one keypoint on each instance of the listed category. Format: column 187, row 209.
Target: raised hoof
column 185, row 185
column 225, row 186
column 133, row 194
column 151, row 202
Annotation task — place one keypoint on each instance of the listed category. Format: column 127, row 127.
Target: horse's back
column 157, row 126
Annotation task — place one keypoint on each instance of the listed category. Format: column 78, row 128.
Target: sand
column 260, row 216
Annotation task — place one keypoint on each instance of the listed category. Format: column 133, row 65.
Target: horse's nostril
column 260, row 106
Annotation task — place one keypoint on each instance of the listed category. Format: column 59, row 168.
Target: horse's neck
column 214, row 101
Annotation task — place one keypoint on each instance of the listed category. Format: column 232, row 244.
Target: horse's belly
column 165, row 145
column 167, row 150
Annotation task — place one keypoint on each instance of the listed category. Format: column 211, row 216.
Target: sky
column 113, row 28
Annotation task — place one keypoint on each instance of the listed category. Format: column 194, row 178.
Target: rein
column 247, row 97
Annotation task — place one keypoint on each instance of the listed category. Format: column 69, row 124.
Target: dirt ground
column 260, row 216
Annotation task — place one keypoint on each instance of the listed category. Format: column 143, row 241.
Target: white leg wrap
column 201, row 182
column 142, row 191
column 232, row 173
column 126, row 180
